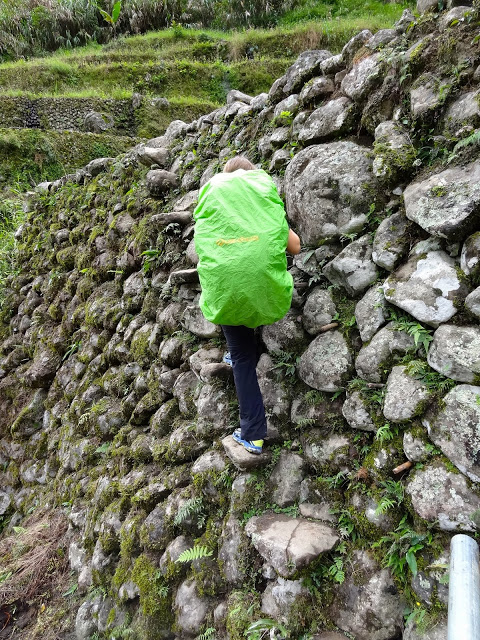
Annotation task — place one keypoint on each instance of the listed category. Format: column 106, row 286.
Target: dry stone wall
column 114, row 398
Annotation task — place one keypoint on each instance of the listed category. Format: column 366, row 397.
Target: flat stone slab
column 241, row 458
column 427, row 286
column 444, row 498
column 455, row 429
column 448, row 203
column 289, row 544
column 455, row 352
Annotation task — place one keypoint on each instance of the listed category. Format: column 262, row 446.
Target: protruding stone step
column 183, row 276
column 241, row 458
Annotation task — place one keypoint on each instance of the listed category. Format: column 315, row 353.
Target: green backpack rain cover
column 241, row 234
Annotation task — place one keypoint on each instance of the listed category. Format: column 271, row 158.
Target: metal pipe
column 464, row 590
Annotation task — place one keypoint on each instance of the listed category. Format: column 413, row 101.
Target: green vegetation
column 11, row 215
column 29, row 156
column 30, row 27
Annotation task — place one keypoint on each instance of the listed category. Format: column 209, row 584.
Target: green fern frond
column 191, row 506
column 208, row 634
column 194, row 553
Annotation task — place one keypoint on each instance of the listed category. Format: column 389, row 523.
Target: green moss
column 243, row 608
column 155, row 601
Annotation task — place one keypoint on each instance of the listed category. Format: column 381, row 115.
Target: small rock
column 363, row 77
column 318, row 311
column 287, row 477
column 279, row 597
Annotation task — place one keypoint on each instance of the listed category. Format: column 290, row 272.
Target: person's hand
column 293, row 244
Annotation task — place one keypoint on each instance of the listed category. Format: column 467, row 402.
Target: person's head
column 238, row 162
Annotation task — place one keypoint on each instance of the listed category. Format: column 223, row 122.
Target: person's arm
column 293, row 244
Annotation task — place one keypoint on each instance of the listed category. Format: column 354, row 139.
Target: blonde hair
column 238, row 162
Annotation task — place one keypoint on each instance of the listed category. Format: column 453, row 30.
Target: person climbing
column 241, row 234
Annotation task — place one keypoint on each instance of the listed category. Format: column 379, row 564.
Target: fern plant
column 194, row 553
column 418, row 332
column 208, row 634
column 472, row 140
column 190, row 507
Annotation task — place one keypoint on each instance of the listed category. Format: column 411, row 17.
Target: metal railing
column 464, row 590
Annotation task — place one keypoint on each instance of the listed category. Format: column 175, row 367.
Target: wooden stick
column 327, row 327
column 403, row 467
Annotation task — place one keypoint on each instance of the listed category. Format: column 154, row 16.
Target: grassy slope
column 31, row 26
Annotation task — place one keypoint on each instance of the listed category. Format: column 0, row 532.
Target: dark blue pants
column 243, row 350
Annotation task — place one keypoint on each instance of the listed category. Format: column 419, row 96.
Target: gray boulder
column 426, row 5
column 427, row 286
column 425, row 95
column 317, row 88
column 354, row 45
column 289, row 544
column 330, row 120
column 327, row 362
column 285, row 335
column 454, row 428
column 363, row 77
column 287, row 477
column 326, row 190
column 470, row 256
column 472, row 302
column 326, row 452
column 464, row 111
column 212, row 411
column 96, row 122
column 191, row 609
column 371, row 313
column 405, row 397
column 280, row 596
column 446, row 204
column 356, row 414
column 386, row 346
column 368, row 604
column 230, row 554
column 319, row 310
column 455, row 353
column 353, row 268
column 391, row 241
column 194, row 321
column 160, row 181
column 274, row 393
column 306, row 65
column 444, row 498
column 416, row 632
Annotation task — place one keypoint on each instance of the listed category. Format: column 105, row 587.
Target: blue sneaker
column 252, row 446
column 227, row 358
